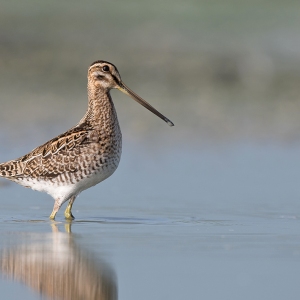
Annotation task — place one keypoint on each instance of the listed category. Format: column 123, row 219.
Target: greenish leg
column 52, row 216
column 56, row 207
column 68, row 212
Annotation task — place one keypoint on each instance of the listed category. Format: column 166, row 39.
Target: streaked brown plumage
column 84, row 155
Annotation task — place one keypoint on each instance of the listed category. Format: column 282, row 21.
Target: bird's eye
column 105, row 68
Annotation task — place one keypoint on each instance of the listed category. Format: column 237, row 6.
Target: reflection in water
column 56, row 268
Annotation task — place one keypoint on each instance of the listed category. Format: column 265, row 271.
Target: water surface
column 211, row 224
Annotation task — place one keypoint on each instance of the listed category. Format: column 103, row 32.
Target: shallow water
column 191, row 224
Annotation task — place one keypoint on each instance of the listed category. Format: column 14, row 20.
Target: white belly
column 63, row 191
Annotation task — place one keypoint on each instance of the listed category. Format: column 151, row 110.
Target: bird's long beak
column 123, row 88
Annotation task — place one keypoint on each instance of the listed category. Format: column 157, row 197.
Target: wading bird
column 86, row 154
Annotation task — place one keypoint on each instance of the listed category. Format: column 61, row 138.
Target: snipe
column 86, row 154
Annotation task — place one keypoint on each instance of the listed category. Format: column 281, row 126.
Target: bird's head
column 103, row 75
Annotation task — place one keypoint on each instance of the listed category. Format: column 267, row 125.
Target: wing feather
column 50, row 159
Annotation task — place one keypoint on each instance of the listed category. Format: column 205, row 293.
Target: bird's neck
column 101, row 112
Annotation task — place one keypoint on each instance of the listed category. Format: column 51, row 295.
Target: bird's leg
column 68, row 212
column 56, row 207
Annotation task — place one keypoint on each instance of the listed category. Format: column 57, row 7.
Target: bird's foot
column 52, row 216
column 69, row 216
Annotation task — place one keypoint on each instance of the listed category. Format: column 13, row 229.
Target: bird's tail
column 10, row 169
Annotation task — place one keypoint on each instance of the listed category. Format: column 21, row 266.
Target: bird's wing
column 50, row 159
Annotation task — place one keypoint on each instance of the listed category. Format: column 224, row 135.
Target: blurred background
column 224, row 182
column 223, row 71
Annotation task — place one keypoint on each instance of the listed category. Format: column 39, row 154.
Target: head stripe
column 98, row 62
